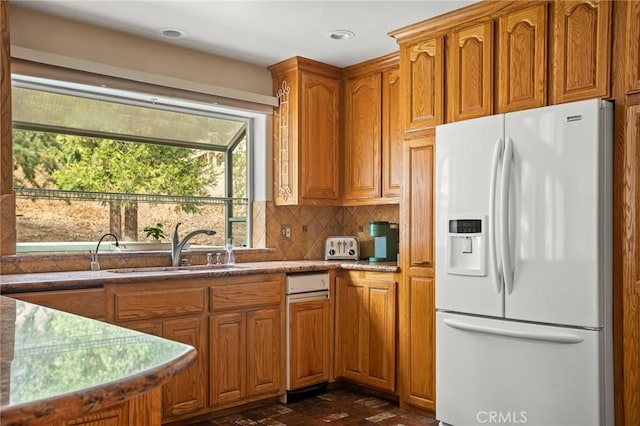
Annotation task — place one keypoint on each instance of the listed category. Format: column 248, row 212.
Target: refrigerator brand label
column 574, row 118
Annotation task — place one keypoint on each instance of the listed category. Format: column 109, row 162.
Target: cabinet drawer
column 88, row 303
column 158, row 303
column 246, row 295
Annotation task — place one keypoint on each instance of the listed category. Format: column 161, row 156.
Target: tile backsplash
column 355, row 221
column 309, row 228
column 311, row 225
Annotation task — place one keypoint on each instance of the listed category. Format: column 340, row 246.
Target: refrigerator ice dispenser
column 466, row 242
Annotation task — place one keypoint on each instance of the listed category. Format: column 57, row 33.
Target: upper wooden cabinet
column 422, row 84
column 470, row 72
column 417, row 204
column 633, row 46
column 580, row 50
column 522, row 59
column 306, row 132
column 392, row 133
column 373, row 132
column 363, row 137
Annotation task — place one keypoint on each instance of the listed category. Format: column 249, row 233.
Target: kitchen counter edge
column 63, row 404
column 72, row 280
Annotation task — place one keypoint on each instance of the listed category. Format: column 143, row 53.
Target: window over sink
column 90, row 160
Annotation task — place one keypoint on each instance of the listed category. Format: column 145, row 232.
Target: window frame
column 166, row 103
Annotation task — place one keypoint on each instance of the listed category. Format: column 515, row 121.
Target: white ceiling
column 260, row 32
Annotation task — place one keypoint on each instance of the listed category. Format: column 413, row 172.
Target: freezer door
column 502, row 372
column 464, row 159
column 559, row 211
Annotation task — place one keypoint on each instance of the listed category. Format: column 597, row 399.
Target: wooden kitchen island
column 60, row 369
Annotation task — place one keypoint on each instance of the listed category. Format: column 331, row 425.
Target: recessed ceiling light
column 341, row 34
column 172, row 33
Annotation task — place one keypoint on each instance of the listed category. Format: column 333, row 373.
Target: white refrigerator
column 523, row 268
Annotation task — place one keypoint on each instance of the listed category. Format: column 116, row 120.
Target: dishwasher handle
column 307, row 297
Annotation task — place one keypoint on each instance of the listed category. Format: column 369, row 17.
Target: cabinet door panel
column 381, row 364
column 319, row 137
column 419, row 342
column 581, row 50
column 363, row 137
column 633, row 46
column 264, row 355
column 419, row 201
column 351, row 331
column 422, row 84
column 227, row 347
column 146, row 409
column 522, row 61
column 471, row 72
column 186, row 392
column 392, row 134
column 309, row 342
column 417, row 306
column 366, row 329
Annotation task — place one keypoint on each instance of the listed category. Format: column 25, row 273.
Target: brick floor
column 338, row 407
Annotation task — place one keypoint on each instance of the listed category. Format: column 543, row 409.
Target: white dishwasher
column 308, row 333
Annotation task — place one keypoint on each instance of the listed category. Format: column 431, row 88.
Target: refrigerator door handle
column 507, row 162
column 493, row 234
column 565, row 338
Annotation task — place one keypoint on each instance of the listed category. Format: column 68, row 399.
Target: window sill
column 60, row 262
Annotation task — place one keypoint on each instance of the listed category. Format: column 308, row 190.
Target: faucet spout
column 177, row 245
column 95, row 265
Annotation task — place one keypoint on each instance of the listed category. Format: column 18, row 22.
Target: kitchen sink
column 162, row 269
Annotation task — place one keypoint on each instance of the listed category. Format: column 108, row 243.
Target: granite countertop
column 17, row 283
column 58, row 366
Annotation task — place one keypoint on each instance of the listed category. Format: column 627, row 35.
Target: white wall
column 53, row 40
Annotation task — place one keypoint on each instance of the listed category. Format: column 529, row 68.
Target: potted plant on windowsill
column 155, row 234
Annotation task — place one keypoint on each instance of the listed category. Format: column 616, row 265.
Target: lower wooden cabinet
column 366, row 328
column 245, row 355
column 264, row 354
column 186, row 392
column 309, row 343
column 417, row 342
column 176, row 312
column 142, row 410
column 246, row 341
column 227, row 347
column 116, row 416
column 236, row 324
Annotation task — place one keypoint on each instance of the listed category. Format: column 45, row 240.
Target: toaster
column 342, row 248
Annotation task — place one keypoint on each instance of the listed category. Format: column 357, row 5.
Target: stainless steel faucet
column 177, row 245
column 95, row 265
